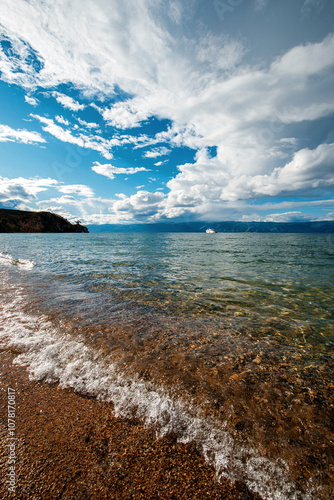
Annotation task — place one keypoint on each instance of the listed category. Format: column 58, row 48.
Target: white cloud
column 127, row 114
column 57, row 209
column 66, row 206
column 154, row 153
column 89, row 210
column 329, row 216
column 309, row 168
column 70, row 200
column 8, row 134
column 88, row 124
column 133, row 50
column 209, row 182
column 110, row 171
column 288, row 217
column 141, row 204
column 67, row 102
column 288, row 140
column 61, row 119
column 31, row 100
column 170, row 76
column 200, row 82
column 96, row 46
column 93, row 142
column 302, row 61
column 22, row 189
column 79, row 189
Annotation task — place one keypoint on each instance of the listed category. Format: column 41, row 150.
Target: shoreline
column 71, row 446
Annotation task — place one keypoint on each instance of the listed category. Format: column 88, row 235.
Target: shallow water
column 224, row 339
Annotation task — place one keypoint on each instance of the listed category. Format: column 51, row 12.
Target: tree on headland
column 3, row 224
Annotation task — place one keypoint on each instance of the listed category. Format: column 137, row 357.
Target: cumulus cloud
column 309, row 169
column 30, row 100
column 288, row 217
column 109, row 170
column 189, row 188
column 14, row 192
column 8, row 134
column 181, row 79
column 62, row 120
column 250, row 113
column 169, row 76
column 20, row 189
column 127, row 114
column 79, row 189
column 154, row 153
column 94, row 210
column 142, row 204
column 67, row 206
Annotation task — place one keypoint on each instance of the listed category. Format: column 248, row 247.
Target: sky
column 123, row 111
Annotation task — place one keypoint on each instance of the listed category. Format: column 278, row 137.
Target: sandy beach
column 73, row 447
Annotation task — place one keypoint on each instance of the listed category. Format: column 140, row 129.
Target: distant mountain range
column 20, row 221
column 221, row 227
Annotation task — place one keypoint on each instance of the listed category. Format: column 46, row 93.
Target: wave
column 9, row 260
column 53, row 355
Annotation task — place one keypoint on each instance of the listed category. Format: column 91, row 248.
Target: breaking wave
column 8, row 260
column 53, row 355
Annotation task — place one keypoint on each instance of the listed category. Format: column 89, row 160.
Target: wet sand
column 73, row 447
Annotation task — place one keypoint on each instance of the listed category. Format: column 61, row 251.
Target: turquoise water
column 288, row 278
column 223, row 339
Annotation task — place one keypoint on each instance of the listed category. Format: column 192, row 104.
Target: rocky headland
column 20, row 221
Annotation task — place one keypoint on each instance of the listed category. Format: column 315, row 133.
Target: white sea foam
column 54, row 356
column 8, row 260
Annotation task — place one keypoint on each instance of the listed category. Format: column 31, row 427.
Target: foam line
column 55, row 356
column 7, row 260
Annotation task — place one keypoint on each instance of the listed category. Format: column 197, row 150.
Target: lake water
column 225, row 340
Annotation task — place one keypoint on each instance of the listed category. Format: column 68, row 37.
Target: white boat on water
column 210, row 231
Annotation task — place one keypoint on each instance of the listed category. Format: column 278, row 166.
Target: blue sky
column 125, row 111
